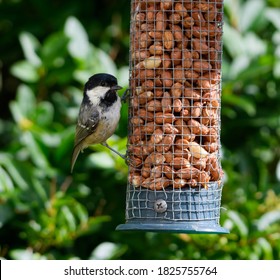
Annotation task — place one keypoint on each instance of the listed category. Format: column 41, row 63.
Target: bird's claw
column 125, row 96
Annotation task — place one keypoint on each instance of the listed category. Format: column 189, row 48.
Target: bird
column 99, row 114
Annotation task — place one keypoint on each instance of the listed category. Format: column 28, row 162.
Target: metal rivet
column 160, row 206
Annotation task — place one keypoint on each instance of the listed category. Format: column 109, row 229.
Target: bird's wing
column 87, row 123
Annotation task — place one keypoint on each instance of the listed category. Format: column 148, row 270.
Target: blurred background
column 48, row 50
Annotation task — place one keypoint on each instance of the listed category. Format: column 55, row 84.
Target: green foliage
column 48, row 213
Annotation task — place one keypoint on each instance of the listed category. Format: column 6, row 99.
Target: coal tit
column 99, row 113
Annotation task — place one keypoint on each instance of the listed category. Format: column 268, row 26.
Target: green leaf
column 62, row 150
column 14, row 170
column 6, row 183
column 54, row 50
column 36, row 153
column 26, row 100
column 16, row 111
column 39, row 190
column 251, row 10
column 26, row 254
column 98, row 61
column 273, row 15
column 238, row 222
column 44, row 114
column 123, row 76
column 105, row 63
column 78, row 46
column 241, row 102
column 276, row 68
column 266, row 248
column 254, row 45
column 233, row 41
column 105, row 251
column 101, row 160
column 30, row 45
column 267, row 219
column 81, row 213
column 51, row 140
column 239, row 64
column 69, row 218
column 25, row 71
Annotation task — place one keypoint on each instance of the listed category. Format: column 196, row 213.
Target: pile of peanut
column 175, row 82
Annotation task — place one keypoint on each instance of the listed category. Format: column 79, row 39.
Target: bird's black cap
column 101, row 79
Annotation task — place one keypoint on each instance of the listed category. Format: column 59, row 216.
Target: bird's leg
column 125, row 96
column 116, row 152
column 125, row 157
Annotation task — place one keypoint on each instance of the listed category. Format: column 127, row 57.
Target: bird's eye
column 102, row 84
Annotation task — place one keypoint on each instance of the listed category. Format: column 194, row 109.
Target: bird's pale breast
column 106, row 126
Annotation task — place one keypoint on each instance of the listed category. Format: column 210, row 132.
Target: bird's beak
column 116, row 87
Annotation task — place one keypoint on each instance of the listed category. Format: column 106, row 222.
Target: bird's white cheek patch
column 95, row 94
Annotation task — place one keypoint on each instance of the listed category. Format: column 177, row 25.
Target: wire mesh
column 174, row 111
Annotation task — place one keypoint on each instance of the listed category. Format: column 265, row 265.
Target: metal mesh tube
column 174, row 110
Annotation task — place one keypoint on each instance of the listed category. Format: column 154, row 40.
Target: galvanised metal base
column 173, row 227
column 187, row 210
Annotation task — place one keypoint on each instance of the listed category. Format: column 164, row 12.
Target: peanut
column 135, row 161
column 176, row 90
column 166, row 4
column 177, row 33
column 157, row 136
column 152, row 62
column 182, row 144
column 156, row 184
column 176, row 56
column 196, row 109
column 162, row 118
column 156, row 49
column 175, row 18
column 155, row 159
column 182, row 153
column 188, row 22
column 188, row 173
column 168, row 40
column 155, row 34
column 179, row 74
column 198, row 128
column 168, row 157
column 166, row 143
column 179, row 162
column 177, row 105
column 145, row 41
column 149, row 128
column 136, row 121
column 156, row 172
column 179, row 183
column 167, row 79
column 169, row 129
column 197, row 151
column 135, row 180
column 154, row 106
column 146, row 171
column 168, row 172
column 166, row 102
column 160, row 21
column 144, row 97
column 181, row 10
column 166, row 61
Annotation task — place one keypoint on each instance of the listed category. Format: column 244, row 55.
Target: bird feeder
column 175, row 175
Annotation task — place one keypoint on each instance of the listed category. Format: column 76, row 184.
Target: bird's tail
column 76, row 151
